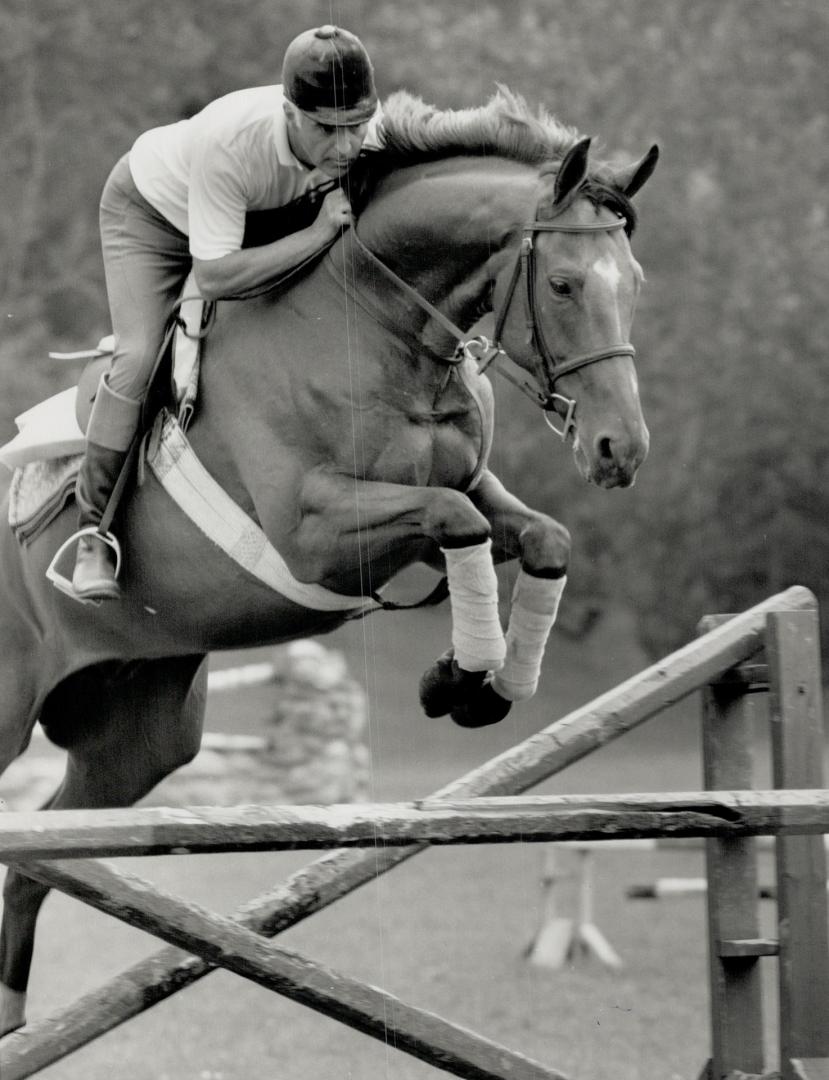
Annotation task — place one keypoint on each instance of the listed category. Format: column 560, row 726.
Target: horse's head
column 460, row 192
column 566, row 308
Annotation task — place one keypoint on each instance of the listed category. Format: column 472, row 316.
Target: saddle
column 56, row 427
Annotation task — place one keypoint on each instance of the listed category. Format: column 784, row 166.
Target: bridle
column 486, row 353
column 554, row 366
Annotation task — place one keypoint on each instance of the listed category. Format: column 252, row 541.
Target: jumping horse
column 349, row 418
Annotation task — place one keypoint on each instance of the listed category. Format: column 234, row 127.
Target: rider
column 178, row 200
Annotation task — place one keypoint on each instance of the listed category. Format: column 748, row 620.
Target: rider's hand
column 335, row 214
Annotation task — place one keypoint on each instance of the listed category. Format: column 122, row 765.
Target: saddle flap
column 48, row 430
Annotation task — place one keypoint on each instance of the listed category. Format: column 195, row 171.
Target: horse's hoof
column 12, row 1010
column 485, row 707
column 445, row 686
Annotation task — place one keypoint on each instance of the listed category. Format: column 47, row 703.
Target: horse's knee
column 163, row 760
column 453, row 521
column 121, row 773
column 545, row 547
column 182, row 754
column 157, row 766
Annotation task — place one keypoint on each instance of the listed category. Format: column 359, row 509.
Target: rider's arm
column 218, row 200
column 238, row 271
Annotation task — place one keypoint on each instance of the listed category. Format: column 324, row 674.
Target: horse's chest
column 429, row 451
column 399, row 430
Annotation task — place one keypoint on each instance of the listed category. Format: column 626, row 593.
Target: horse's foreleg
column 459, row 676
column 542, row 546
column 539, row 542
column 347, row 523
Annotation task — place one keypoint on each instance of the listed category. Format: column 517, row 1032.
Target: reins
column 421, row 301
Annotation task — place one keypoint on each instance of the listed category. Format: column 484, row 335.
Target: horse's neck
column 440, row 229
column 440, row 233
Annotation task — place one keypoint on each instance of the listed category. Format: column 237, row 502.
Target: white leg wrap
column 477, row 635
column 534, row 608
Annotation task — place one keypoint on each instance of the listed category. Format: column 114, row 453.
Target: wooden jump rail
column 727, row 818
column 63, row 834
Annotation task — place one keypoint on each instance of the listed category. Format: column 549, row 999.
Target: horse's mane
column 505, row 126
column 412, row 131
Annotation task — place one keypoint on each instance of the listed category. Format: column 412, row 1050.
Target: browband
column 594, row 226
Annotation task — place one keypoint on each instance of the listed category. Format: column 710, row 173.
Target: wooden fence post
column 734, row 945
column 795, row 704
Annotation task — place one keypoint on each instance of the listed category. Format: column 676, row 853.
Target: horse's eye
column 560, row 287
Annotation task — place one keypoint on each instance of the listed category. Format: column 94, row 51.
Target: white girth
column 173, row 462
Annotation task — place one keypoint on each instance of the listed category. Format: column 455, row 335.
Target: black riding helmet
column 327, row 74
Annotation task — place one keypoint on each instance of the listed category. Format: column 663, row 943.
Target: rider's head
column 328, row 83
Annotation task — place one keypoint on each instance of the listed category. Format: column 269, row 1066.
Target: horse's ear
column 573, row 171
column 637, row 174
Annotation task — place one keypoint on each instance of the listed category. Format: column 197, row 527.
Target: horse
column 349, row 419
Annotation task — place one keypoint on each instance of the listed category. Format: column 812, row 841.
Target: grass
column 446, row 931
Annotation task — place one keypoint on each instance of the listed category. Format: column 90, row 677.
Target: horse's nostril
column 605, row 446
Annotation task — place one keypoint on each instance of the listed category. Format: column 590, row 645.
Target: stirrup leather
column 60, row 581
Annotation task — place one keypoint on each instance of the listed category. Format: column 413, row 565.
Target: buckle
column 481, row 350
column 549, row 406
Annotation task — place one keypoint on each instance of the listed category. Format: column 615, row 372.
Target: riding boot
column 112, row 425
column 94, row 575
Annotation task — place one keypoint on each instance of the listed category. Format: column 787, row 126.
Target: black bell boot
column 94, row 577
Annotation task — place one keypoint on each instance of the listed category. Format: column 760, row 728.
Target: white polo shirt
column 204, row 173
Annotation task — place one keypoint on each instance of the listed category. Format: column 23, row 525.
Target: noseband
column 485, row 352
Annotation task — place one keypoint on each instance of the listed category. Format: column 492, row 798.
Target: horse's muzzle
column 612, row 460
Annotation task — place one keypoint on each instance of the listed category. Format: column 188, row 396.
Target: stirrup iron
column 60, row 581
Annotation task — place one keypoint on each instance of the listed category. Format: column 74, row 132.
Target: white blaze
column 608, row 271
